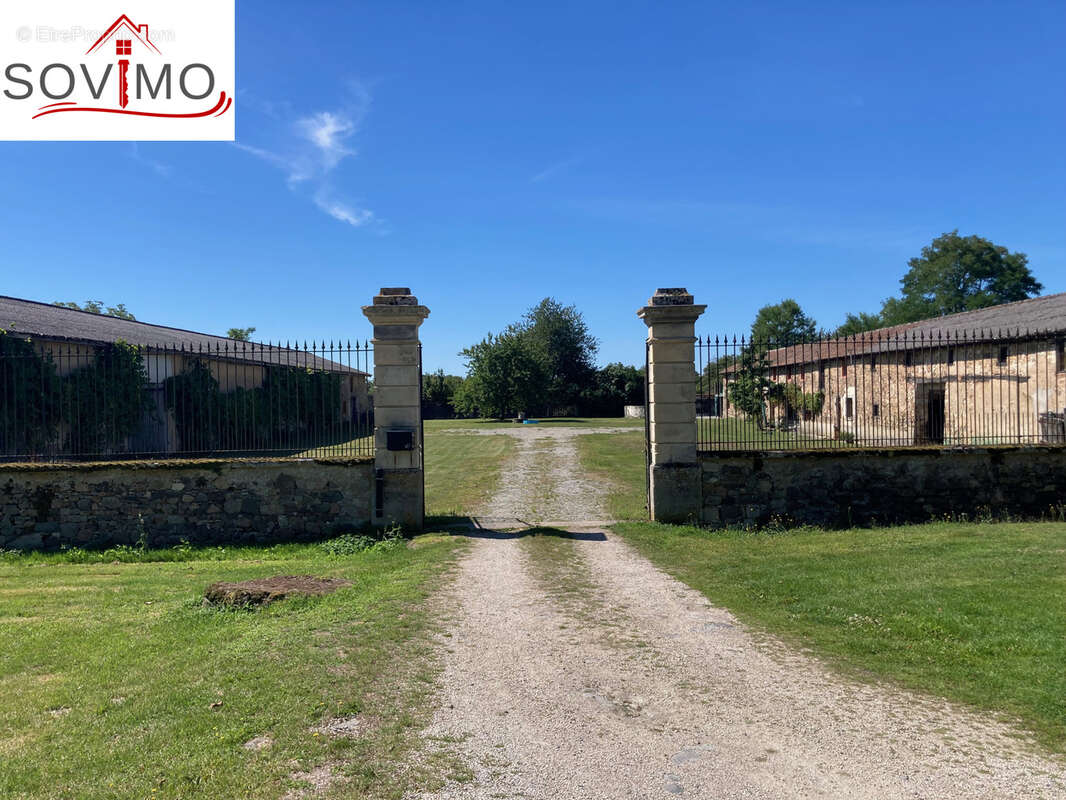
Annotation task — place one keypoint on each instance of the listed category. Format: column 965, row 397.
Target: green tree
column 30, row 397
column 781, row 324
column 716, row 372
column 954, row 273
column 560, row 341
column 960, row 273
column 859, row 323
column 504, row 377
column 438, row 394
column 614, row 387
column 106, row 400
column 750, row 388
column 97, row 307
column 240, row 334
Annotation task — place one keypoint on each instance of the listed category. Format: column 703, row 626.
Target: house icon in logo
column 129, row 32
column 124, row 33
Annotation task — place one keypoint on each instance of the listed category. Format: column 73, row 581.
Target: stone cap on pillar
column 670, row 305
column 395, row 306
column 395, row 296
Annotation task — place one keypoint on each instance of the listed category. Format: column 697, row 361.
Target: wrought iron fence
column 881, row 389
column 70, row 401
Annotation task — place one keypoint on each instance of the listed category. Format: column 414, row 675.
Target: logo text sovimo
column 58, row 81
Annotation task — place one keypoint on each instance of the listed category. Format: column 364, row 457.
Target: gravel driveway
column 636, row 686
column 650, row 691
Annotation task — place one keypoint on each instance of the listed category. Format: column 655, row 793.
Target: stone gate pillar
column 674, row 479
column 399, row 485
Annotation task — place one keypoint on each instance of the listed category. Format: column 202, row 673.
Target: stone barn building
column 992, row 376
column 70, row 340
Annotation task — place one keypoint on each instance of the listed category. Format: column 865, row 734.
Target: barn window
column 877, row 410
column 123, row 47
column 1002, row 358
column 821, row 376
column 908, row 360
column 1060, row 355
column 951, row 356
column 873, row 363
column 849, row 407
column 844, row 368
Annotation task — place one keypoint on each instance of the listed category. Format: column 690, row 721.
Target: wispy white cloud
column 555, row 169
column 329, row 132
column 339, row 210
column 312, row 147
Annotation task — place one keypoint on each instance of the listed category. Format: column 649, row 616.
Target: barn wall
column 986, row 402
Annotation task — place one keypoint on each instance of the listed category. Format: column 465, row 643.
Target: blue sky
column 489, row 154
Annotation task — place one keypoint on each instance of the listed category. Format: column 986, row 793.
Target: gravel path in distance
column 544, row 482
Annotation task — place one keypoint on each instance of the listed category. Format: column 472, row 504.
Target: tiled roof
column 1005, row 322
column 46, row 321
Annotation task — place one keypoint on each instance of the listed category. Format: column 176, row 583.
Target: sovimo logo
column 135, row 80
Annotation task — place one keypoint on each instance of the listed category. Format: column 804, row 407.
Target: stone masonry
column 46, row 506
column 841, row 488
column 396, row 317
column 674, row 474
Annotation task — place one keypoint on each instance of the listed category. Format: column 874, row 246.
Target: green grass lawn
column 109, row 671
column 972, row 612
column 462, row 471
column 360, row 447
column 731, row 433
column 577, row 422
column 617, row 459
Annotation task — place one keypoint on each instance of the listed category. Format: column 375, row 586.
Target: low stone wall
column 840, row 488
column 45, row 506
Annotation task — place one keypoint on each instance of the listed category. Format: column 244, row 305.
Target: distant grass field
column 581, row 422
column 115, row 682
column 973, row 612
column 463, row 470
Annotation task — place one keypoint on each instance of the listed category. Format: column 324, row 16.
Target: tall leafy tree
column 782, row 323
column 953, row 273
column 960, row 273
column 504, row 377
column 560, row 340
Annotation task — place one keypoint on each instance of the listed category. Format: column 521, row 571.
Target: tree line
column 542, row 365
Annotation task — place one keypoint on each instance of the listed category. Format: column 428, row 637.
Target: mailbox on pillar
column 400, row 439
